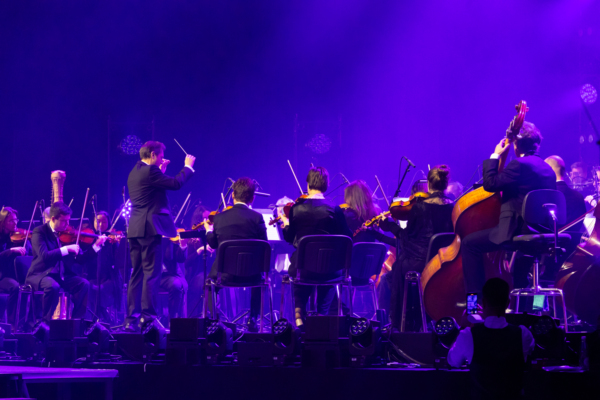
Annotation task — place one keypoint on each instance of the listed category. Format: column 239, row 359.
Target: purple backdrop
column 435, row 81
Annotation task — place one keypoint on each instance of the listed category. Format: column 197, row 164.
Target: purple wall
column 435, row 81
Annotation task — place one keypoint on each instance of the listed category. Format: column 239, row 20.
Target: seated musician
column 172, row 280
column 520, row 176
column 313, row 216
column 359, row 198
column 52, row 264
column 9, row 218
column 239, row 222
column 46, row 215
column 495, row 350
column 111, row 282
column 194, row 264
column 575, row 209
column 428, row 216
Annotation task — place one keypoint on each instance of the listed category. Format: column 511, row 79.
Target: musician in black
column 150, row 220
column 109, row 276
column 194, row 264
column 427, row 217
column 520, row 176
column 313, row 216
column 9, row 218
column 52, row 264
column 239, row 222
column 172, row 280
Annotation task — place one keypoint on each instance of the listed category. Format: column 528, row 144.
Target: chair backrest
column 324, row 254
column 22, row 264
column 534, row 211
column 438, row 241
column 245, row 257
column 367, row 259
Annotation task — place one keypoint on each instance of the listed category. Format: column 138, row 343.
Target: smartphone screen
column 471, row 303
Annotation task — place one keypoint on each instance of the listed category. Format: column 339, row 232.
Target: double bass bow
column 442, row 279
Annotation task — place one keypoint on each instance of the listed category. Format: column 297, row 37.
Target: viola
column 401, row 209
column 442, row 279
column 287, row 208
column 18, row 237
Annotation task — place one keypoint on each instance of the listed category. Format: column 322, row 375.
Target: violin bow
column 296, row 178
column 182, row 206
column 29, row 227
column 82, row 213
column 578, row 220
column 223, row 200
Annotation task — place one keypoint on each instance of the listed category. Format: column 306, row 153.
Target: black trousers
column 144, row 285
column 325, row 294
column 75, row 285
column 176, row 286
column 473, row 247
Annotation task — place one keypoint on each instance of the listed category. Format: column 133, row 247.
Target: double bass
column 442, row 279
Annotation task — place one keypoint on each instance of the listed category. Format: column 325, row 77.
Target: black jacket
column 575, row 205
column 150, row 210
column 7, row 257
column 315, row 217
column 46, row 255
column 239, row 222
column 519, row 177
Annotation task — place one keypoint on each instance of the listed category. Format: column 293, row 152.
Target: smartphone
column 471, row 303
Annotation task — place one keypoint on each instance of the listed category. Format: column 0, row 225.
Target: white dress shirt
column 462, row 351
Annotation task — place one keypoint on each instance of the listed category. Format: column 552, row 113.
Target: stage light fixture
column 359, row 327
column 282, row 331
column 126, row 211
column 446, row 330
column 155, row 335
column 218, row 336
column 98, row 335
column 588, row 94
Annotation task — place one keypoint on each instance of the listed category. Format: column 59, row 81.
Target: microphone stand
column 408, row 167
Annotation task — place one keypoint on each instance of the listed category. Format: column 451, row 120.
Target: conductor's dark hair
column 149, row 147
column 318, row 179
column 59, row 209
column 243, row 190
column 495, row 293
column 529, row 139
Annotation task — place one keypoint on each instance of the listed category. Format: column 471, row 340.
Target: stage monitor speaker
column 326, row 328
column 187, row 329
column 65, row 329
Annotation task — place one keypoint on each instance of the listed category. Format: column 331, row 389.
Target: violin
column 211, row 216
column 87, row 236
column 400, row 209
column 287, row 208
column 18, row 237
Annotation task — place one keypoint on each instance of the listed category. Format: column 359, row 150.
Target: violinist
column 428, row 216
column 150, row 220
column 520, row 176
column 313, row 216
column 172, row 280
column 194, row 263
column 360, row 209
column 8, row 252
column 110, row 282
column 239, row 222
column 52, row 263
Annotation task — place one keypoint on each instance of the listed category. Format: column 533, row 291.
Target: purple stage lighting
column 319, row 144
column 588, row 94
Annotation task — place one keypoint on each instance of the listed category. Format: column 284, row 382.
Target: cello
column 579, row 275
column 442, row 279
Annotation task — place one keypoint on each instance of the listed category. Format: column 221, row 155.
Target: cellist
column 525, row 173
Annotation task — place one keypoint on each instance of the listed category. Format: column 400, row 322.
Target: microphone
column 261, row 194
column 232, row 181
column 256, row 183
column 346, row 179
column 123, row 192
column 409, row 162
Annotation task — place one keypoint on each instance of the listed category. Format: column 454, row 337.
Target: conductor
column 150, row 220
